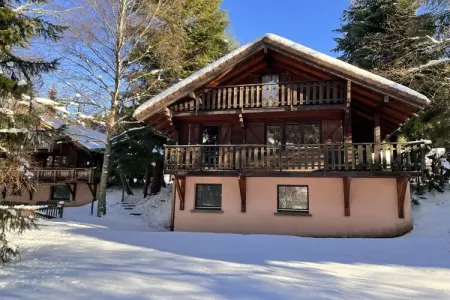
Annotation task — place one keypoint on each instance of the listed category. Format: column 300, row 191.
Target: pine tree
column 407, row 41
column 19, row 24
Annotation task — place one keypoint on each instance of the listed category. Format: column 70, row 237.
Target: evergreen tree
column 18, row 26
column 191, row 36
column 407, row 41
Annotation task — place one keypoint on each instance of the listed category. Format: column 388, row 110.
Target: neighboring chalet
column 66, row 168
column 276, row 138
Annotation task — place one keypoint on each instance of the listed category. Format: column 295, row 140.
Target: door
column 269, row 89
column 210, row 137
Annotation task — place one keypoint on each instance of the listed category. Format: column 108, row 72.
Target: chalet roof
column 89, row 139
column 334, row 65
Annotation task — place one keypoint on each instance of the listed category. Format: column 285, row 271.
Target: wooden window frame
column 51, row 193
column 283, row 130
column 206, row 208
column 292, row 209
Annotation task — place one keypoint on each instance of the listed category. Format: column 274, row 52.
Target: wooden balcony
column 293, row 95
column 88, row 175
column 386, row 159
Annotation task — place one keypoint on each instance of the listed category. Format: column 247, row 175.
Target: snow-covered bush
column 156, row 210
column 13, row 220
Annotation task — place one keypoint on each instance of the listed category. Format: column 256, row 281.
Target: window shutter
column 253, row 78
column 332, row 131
column 285, row 77
column 225, row 134
column 195, row 134
column 255, row 133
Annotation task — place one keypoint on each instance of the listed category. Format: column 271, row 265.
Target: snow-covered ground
column 119, row 257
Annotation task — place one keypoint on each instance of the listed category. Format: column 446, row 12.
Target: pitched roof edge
column 182, row 88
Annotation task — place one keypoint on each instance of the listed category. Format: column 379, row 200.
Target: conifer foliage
column 20, row 22
column 407, row 41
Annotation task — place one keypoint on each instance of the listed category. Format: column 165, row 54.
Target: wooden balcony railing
column 385, row 157
column 290, row 94
column 66, row 175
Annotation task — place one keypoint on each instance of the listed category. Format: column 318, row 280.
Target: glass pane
column 293, row 134
column 60, row 192
column 274, row 134
column 293, row 198
column 209, row 196
column 211, row 135
column 312, row 134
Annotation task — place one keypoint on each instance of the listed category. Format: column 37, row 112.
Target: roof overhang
column 315, row 59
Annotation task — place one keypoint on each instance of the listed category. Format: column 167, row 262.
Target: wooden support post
column 181, row 188
column 172, row 211
column 241, row 120
column 30, row 192
column 243, row 189
column 402, row 184
column 346, row 182
column 94, row 195
column 72, row 190
column 348, row 114
column 376, row 128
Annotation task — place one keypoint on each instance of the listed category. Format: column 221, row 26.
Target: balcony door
column 269, row 92
column 211, row 138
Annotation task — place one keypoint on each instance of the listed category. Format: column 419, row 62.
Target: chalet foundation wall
column 83, row 195
column 373, row 208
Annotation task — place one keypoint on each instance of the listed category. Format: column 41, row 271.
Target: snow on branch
column 430, row 64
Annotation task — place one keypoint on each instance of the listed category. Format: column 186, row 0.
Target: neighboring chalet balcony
column 357, row 159
column 50, row 175
column 290, row 95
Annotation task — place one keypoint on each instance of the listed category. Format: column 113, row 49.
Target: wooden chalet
column 278, row 138
column 66, row 168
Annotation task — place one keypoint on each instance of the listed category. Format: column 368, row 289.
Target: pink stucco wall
column 373, row 207
column 83, row 195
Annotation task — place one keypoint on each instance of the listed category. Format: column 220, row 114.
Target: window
column 294, row 134
column 60, row 193
column 269, row 79
column 293, row 198
column 208, row 196
column 210, row 135
column 311, row 133
column 274, row 134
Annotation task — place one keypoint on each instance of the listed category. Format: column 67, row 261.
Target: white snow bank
column 156, row 210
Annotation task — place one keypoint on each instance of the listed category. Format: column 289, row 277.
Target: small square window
column 60, row 193
column 208, row 196
column 293, row 198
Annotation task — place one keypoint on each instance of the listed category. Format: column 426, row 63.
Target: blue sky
column 308, row 22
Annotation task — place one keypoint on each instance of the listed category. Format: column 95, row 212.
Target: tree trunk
column 101, row 206
column 125, row 184
column 158, row 176
column 147, row 180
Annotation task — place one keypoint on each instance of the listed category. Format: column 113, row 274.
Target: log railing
column 61, row 175
column 385, row 157
column 290, row 94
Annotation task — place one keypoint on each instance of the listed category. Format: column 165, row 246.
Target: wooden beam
column 72, row 190
column 402, row 183
column 243, row 189
column 346, row 181
column 241, row 120
column 30, row 192
column 348, row 114
column 376, row 129
column 181, row 188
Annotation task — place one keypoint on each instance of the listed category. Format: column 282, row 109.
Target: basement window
column 208, row 197
column 60, row 193
column 293, row 198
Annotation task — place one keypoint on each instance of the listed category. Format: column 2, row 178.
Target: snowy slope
column 116, row 257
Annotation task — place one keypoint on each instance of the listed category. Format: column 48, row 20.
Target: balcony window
column 269, row 79
column 293, row 134
column 293, row 198
column 208, row 196
column 274, row 134
column 60, row 193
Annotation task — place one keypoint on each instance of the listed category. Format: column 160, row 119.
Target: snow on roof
column 347, row 70
column 88, row 138
column 55, row 123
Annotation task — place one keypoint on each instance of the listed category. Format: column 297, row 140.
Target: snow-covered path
column 117, row 257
